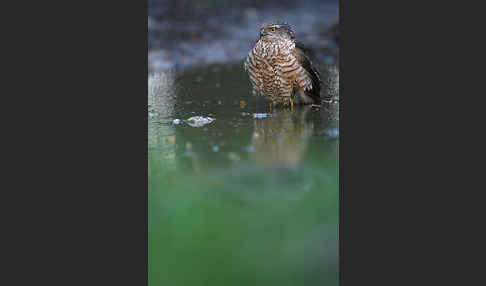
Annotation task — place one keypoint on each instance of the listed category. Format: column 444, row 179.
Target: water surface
column 242, row 200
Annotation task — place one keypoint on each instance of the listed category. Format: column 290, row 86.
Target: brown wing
column 302, row 54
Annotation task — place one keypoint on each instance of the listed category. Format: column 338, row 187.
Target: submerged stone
column 261, row 115
column 198, row 121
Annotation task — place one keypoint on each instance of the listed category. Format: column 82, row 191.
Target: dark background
column 191, row 33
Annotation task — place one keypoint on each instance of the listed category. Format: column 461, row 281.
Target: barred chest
column 273, row 60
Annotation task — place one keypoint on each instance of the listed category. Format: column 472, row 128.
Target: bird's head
column 276, row 30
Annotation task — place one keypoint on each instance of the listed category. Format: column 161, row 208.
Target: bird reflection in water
column 280, row 140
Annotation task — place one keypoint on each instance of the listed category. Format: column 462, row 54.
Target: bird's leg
column 291, row 104
column 270, row 103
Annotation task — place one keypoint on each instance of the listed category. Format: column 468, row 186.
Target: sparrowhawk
column 280, row 69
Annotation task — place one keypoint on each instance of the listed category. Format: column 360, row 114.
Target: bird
column 279, row 67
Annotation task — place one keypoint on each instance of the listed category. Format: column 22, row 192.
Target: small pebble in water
column 220, row 102
column 218, row 84
column 176, row 121
column 188, row 145
column 215, row 148
column 171, row 139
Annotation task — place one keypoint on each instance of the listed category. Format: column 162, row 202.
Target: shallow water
column 250, row 198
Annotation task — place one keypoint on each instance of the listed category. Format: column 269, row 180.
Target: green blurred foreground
column 260, row 209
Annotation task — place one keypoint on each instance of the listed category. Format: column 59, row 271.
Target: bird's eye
column 272, row 29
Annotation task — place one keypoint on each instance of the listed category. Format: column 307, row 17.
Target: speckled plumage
column 279, row 68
